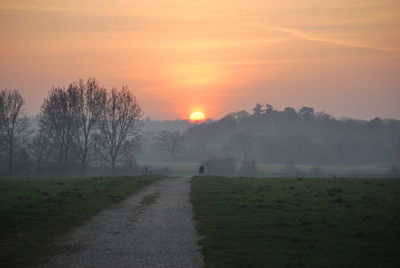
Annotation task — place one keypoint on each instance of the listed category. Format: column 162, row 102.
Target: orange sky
column 215, row 56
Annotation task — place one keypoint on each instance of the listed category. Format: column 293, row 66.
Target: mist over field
column 85, row 129
column 276, row 137
column 212, row 133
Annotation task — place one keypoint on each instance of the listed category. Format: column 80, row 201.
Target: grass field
column 35, row 212
column 269, row 170
column 282, row 222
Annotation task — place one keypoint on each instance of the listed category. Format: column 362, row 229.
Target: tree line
column 79, row 125
column 85, row 128
column 268, row 135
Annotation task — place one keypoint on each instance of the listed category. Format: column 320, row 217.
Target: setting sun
column 197, row 116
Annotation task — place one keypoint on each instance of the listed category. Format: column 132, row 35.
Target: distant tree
column 375, row 123
column 306, row 113
column 58, row 124
column 322, row 116
column 269, row 109
column 89, row 105
column 13, row 124
column 195, row 150
column 239, row 115
column 2, row 112
column 228, row 122
column 169, row 143
column 120, row 124
column 290, row 111
column 2, row 129
column 307, row 138
column 129, row 155
column 22, row 160
column 241, row 145
column 347, row 150
column 290, row 114
column 258, row 110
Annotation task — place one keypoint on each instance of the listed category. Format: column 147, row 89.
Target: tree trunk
column 85, row 155
column 39, row 167
column 83, row 167
column 10, row 160
column 113, row 166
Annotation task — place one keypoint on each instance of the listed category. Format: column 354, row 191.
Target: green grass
column 340, row 171
column 35, row 212
column 298, row 222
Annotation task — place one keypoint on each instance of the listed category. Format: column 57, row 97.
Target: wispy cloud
column 315, row 37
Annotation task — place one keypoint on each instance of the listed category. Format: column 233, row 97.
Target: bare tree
column 169, row 143
column 89, row 106
column 119, row 124
column 58, row 124
column 13, row 124
column 2, row 118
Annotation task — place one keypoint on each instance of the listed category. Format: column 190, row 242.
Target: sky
column 212, row 56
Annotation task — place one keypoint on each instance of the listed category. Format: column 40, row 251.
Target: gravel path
column 153, row 228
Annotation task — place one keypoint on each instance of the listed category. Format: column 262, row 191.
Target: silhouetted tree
column 58, row 123
column 258, row 109
column 89, row 106
column 290, row 113
column 119, row 124
column 13, row 124
column 306, row 113
column 128, row 157
column 269, row 109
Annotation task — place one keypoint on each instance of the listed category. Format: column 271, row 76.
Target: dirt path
column 153, row 228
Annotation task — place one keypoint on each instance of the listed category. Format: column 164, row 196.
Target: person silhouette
column 201, row 170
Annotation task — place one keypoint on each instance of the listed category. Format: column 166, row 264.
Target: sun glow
column 197, row 117
column 195, row 73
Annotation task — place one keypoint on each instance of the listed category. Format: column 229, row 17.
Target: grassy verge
column 298, row 222
column 34, row 212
